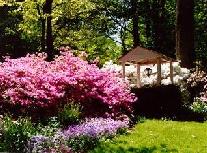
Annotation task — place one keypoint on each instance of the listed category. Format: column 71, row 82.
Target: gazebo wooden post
column 138, row 76
column 159, row 71
column 171, row 71
column 123, row 72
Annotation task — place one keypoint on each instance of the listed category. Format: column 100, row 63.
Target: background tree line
column 105, row 28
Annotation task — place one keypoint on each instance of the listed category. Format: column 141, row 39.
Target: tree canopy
column 103, row 28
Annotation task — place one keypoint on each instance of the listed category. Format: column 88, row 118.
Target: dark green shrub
column 82, row 143
column 185, row 97
column 50, row 127
column 199, row 106
column 158, row 101
column 168, row 102
column 15, row 134
column 69, row 114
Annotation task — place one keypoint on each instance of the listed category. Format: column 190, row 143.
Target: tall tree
column 185, row 32
column 200, row 15
column 135, row 18
column 158, row 19
column 10, row 36
column 47, row 9
column 43, row 25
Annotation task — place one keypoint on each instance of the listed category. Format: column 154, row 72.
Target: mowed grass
column 154, row 136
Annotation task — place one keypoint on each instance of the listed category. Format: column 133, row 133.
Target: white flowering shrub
column 131, row 72
column 199, row 105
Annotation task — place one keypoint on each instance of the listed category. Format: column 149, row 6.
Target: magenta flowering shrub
column 33, row 82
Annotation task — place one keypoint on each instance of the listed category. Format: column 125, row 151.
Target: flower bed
column 78, row 138
column 69, row 89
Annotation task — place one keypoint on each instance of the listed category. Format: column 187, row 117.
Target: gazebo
column 142, row 56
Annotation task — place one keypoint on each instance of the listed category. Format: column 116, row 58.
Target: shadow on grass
column 119, row 149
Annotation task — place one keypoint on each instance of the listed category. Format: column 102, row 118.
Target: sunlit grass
column 155, row 136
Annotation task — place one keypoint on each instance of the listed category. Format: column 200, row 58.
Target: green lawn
column 155, row 136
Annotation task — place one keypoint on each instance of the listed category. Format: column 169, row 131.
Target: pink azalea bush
column 197, row 84
column 31, row 81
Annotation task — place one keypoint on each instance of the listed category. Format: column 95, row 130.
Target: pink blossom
column 32, row 81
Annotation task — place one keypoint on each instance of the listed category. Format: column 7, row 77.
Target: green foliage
column 78, row 24
column 75, row 23
column 70, row 114
column 200, row 17
column 15, row 134
column 102, row 28
column 199, row 106
column 185, row 97
column 82, row 143
column 141, row 119
column 50, row 127
column 9, row 36
column 156, row 22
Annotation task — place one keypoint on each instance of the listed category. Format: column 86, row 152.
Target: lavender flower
column 42, row 144
column 36, row 143
column 95, row 127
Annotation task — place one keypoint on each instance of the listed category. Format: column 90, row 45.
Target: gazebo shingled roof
column 144, row 56
column 141, row 56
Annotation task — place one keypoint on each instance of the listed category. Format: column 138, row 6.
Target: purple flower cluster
column 44, row 144
column 95, row 127
column 92, row 128
column 35, row 144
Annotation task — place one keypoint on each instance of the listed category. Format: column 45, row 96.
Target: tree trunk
column 43, row 35
column 49, row 37
column 135, row 31
column 157, row 24
column 185, row 32
column 124, row 50
column 148, row 21
column 42, row 20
